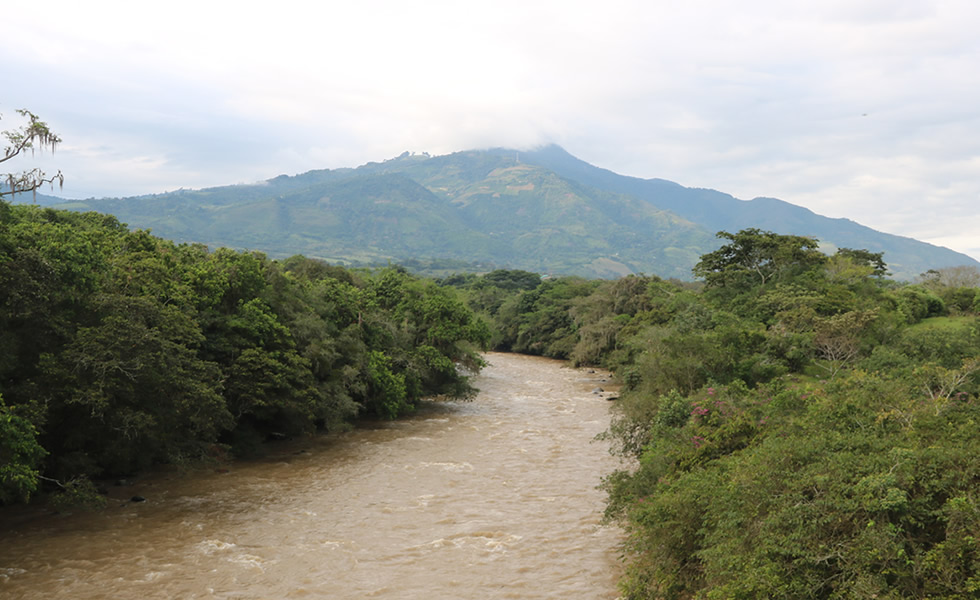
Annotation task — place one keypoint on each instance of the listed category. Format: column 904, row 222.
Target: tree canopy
column 119, row 350
column 758, row 257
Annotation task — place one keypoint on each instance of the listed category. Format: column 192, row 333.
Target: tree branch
column 36, row 131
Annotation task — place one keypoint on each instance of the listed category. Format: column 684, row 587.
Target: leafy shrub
column 960, row 299
column 916, row 303
column 853, row 490
column 20, row 455
column 79, row 492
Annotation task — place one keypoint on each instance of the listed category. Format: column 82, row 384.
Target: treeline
column 119, row 350
column 795, row 426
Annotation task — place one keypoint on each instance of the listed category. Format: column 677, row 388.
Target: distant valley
column 543, row 210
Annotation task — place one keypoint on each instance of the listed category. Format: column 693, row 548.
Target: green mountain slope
column 716, row 211
column 546, row 223
column 543, row 211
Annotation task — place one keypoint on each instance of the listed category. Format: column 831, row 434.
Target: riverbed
column 492, row 498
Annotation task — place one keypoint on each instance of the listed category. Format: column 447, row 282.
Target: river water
column 493, row 498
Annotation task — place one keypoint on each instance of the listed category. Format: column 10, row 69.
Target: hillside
column 543, row 211
column 717, row 211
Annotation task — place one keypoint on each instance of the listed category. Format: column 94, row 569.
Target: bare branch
column 35, row 134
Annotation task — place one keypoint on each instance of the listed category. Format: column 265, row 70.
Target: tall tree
column 866, row 258
column 754, row 257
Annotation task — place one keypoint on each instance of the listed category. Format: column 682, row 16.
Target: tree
column 837, row 339
column 34, row 135
column 866, row 258
column 963, row 276
column 512, row 279
column 754, row 257
column 20, row 455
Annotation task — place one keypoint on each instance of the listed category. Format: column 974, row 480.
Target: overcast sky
column 865, row 109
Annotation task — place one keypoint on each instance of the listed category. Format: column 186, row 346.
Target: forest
column 120, row 350
column 792, row 424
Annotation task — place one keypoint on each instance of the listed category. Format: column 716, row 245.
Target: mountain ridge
column 542, row 210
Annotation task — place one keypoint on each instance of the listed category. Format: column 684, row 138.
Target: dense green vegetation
column 119, row 350
column 794, row 425
column 798, row 427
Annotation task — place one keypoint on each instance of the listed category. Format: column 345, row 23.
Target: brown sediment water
column 494, row 498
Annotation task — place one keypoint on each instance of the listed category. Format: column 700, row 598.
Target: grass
column 957, row 323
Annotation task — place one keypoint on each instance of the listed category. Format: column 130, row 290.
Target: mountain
column 543, row 211
column 716, row 211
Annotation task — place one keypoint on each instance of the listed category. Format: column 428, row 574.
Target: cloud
column 856, row 108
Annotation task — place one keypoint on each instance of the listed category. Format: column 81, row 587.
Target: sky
column 863, row 109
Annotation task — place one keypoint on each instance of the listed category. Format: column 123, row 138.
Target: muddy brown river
column 494, row 498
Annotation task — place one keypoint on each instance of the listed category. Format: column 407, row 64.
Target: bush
column 864, row 488
column 961, row 299
column 916, row 303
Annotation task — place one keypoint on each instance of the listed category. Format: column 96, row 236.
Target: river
column 494, row 498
